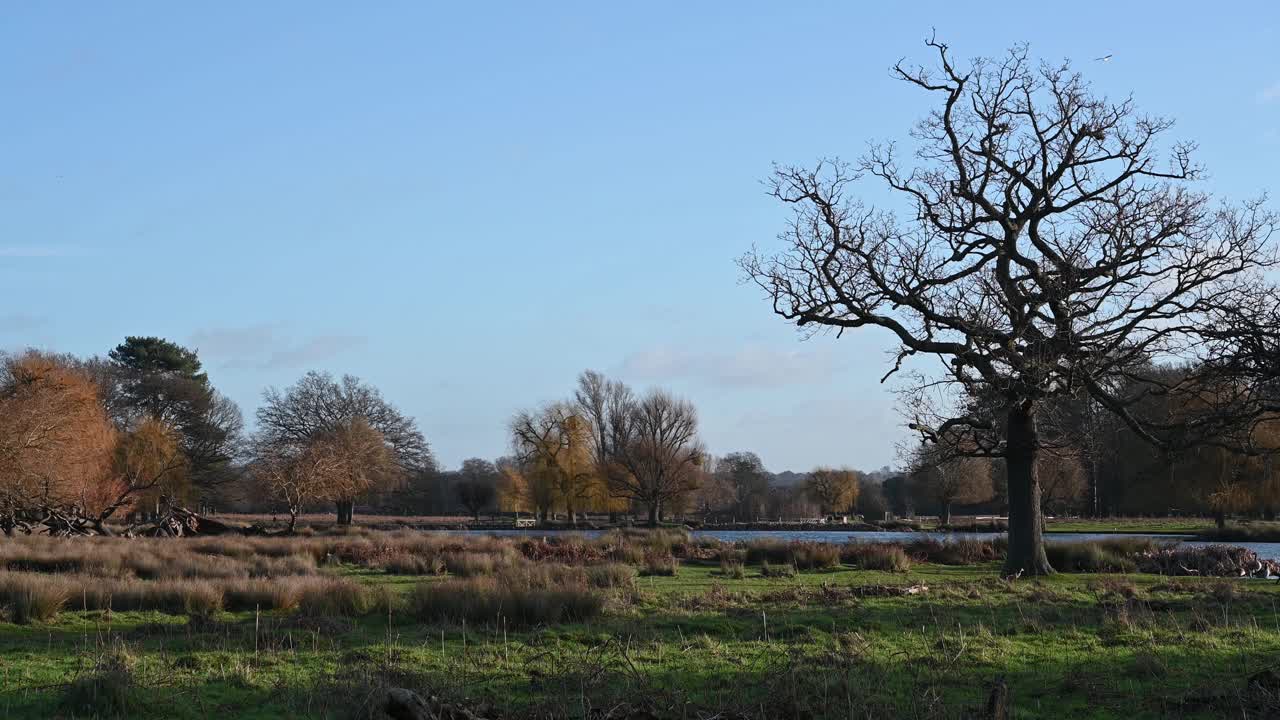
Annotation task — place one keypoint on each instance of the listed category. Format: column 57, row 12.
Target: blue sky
column 468, row 203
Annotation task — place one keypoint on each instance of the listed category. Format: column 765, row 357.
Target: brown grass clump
column 611, row 575
column 336, row 598
column 876, row 556
column 658, row 563
column 406, row 563
column 29, row 597
column 469, row 564
column 731, row 568
column 486, row 600
column 814, row 556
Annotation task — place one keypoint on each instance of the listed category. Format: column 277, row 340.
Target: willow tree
column 554, row 442
column 1049, row 242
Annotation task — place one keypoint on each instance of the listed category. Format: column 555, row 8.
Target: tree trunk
column 1026, row 543
column 653, row 515
column 346, row 509
column 946, row 514
column 1220, row 518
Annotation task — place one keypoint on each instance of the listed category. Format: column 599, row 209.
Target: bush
column 877, row 556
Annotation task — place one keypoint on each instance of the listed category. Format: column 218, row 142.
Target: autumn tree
column 1052, row 245
column 353, row 423
column 56, row 441
column 835, row 490
column 148, row 465
column 63, row 465
column 476, row 487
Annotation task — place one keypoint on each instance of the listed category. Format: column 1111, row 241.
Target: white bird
column 1105, row 58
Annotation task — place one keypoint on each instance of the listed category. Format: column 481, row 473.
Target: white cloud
column 1270, row 93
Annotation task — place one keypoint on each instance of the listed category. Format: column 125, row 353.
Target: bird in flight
column 1105, row 58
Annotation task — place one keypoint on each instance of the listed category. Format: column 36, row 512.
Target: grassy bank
column 576, row 629
column 1176, row 526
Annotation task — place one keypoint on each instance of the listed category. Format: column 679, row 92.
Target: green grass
column 1131, row 525
column 825, row 643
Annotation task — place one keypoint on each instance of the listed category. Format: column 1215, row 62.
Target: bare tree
column 653, row 446
column 746, row 476
column 951, row 479
column 1048, row 251
column 346, row 414
column 1063, row 479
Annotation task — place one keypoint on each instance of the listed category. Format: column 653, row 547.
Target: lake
column 1265, row 550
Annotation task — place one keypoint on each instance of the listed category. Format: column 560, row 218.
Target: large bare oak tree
column 1051, row 243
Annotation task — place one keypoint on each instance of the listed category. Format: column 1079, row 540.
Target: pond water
column 1265, row 550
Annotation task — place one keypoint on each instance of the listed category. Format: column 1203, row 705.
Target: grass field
column 836, row 642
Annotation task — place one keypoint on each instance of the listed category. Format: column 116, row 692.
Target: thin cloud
column 236, row 342
column 266, row 346
column 21, row 322
column 313, row 351
column 751, row 366
column 1270, row 93
column 36, row 251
